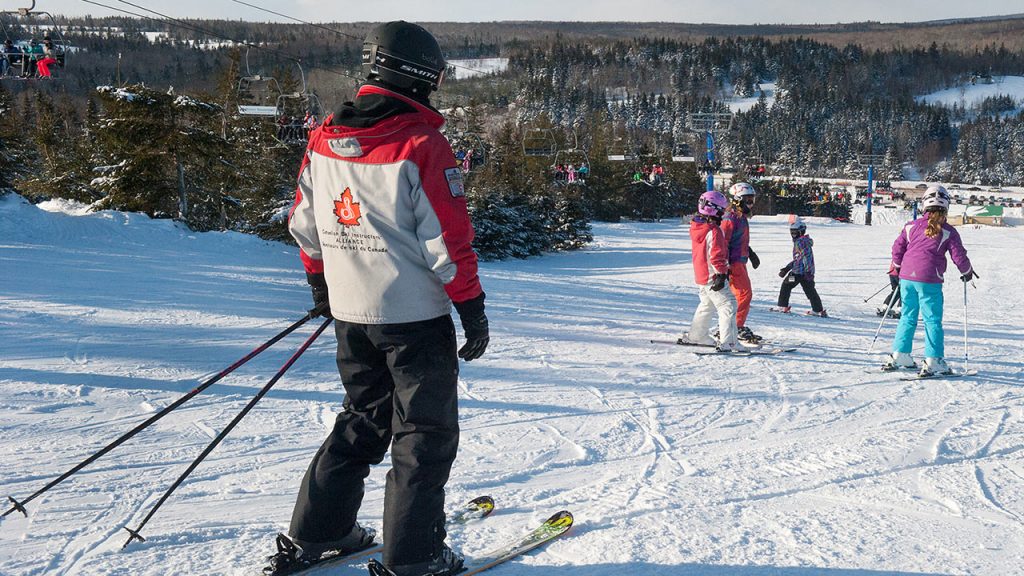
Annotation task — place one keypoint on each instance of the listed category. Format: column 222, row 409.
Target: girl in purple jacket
column 919, row 254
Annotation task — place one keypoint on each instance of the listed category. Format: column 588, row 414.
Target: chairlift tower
column 709, row 123
column 869, row 161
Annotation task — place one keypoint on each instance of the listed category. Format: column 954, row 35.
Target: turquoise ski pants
column 926, row 299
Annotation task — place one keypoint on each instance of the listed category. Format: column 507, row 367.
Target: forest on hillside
column 580, row 93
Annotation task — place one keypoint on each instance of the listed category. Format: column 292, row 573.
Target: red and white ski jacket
column 381, row 211
column 709, row 250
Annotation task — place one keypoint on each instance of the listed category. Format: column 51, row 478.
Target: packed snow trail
column 672, row 463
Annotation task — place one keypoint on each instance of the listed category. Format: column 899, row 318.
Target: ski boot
column 291, row 557
column 898, row 361
column 822, row 314
column 892, row 313
column 747, row 335
column 447, row 563
column 784, row 309
column 934, row 367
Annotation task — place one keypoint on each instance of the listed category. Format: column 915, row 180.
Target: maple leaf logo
column 346, row 210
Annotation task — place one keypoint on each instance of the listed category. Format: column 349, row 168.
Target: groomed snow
column 473, row 67
column 971, row 95
column 809, row 463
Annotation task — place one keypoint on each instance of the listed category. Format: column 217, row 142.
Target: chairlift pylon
column 26, row 58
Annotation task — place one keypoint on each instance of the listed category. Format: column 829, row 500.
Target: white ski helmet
column 740, row 190
column 935, row 198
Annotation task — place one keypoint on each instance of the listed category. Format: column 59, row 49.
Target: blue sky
column 726, row 12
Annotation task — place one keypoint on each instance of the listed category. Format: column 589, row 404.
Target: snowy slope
column 971, row 95
column 800, row 464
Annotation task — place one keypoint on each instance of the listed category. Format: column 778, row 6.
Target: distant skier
column 711, row 272
column 919, row 253
column 800, row 270
column 736, row 227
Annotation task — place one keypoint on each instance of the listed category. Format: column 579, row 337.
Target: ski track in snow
column 799, row 464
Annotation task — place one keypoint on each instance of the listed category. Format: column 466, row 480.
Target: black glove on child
column 718, row 282
column 754, row 260
column 474, row 324
column 321, row 303
column 970, row 275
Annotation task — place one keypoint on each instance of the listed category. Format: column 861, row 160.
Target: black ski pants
column 807, row 284
column 401, row 390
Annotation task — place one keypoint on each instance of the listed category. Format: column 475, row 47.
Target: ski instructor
column 380, row 217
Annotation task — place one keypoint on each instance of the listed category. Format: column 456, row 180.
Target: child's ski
column 931, row 376
column 769, row 351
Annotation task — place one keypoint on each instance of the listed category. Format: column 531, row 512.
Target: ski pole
column 892, row 299
column 20, row 505
column 876, row 293
column 136, row 534
column 965, row 328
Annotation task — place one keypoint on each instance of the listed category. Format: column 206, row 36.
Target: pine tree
column 15, row 154
column 63, row 169
column 163, row 153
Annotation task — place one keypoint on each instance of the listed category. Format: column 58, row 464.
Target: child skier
column 800, row 270
column 736, row 228
column 919, row 254
column 711, row 271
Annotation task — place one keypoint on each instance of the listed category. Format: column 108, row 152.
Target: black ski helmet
column 405, row 56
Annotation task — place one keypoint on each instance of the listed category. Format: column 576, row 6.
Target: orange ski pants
column 739, row 283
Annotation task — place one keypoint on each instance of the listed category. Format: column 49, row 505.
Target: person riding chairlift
column 48, row 59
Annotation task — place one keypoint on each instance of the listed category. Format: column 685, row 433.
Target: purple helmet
column 712, row 203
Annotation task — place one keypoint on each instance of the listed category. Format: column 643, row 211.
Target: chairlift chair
column 48, row 30
column 683, row 153
column 538, row 142
column 258, row 94
column 469, row 148
column 298, row 114
column 620, row 151
column 576, row 158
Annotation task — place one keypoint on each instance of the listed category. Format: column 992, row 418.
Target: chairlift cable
column 329, row 29
column 183, row 24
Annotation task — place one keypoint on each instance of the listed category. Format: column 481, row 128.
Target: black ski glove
column 785, row 270
column 321, row 304
column 718, row 282
column 969, row 275
column 474, row 324
column 754, row 260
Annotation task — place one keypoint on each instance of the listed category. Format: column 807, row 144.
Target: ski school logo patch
column 346, row 210
column 454, row 178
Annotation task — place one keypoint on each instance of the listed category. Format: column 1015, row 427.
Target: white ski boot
column 898, row 361
column 934, row 367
